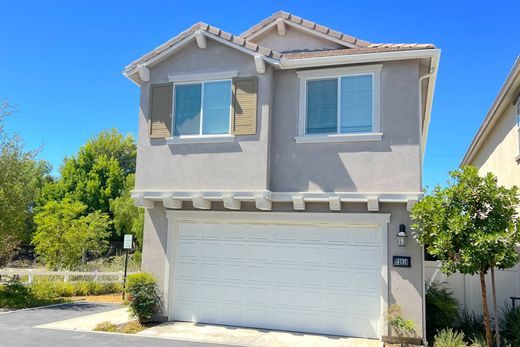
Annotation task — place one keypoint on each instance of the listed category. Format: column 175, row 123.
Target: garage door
column 306, row 278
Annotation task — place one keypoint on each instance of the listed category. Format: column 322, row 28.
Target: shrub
column 13, row 294
column 510, row 325
column 403, row 328
column 56, row 289
column 106, row 326
column 471, row 324
column 442, row 309
column 450, row 338
column 143, row 296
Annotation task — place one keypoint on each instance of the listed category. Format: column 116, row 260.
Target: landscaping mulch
column 109, row 298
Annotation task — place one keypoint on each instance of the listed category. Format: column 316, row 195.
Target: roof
column 292, row 19
column 243, row 42
column 510, row 86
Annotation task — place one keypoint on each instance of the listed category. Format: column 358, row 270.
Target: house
column 276, row 168
column 496, row 146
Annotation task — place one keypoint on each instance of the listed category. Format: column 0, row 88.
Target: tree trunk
column 495, row 310
column 489, row 337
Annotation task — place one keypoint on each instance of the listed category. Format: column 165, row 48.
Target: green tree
column 65, row 232
column 128, row 219
column 21, row 178
column 97, row 174
column 471, row 226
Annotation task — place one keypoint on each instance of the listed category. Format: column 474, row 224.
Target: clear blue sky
column 61, row 61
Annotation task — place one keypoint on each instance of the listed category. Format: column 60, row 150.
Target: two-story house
column 276, row 168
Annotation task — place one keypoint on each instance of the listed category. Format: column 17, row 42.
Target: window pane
column 356, row 104
column 187, row 109
column 217, row 100
column 322, row 106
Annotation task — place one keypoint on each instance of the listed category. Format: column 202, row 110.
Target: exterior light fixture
column 402, row 237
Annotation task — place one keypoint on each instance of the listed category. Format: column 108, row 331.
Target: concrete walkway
column 219, row 334
column 88, row 323
column 213, row 334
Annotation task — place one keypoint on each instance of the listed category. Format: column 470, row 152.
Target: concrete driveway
column 17, row 329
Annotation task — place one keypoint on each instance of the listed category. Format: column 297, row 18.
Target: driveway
column 17, row 329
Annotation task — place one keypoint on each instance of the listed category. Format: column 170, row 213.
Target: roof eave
column 358, row 58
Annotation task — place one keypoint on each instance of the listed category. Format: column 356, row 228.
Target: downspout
column 421, row 78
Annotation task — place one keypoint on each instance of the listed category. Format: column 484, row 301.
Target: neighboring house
column 495, row 148
column 276, row 168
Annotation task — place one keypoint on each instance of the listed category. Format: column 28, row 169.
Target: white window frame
column 338, row 73
column 184, row 80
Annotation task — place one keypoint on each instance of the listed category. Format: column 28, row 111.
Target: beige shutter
column 160, row 110
column 244, row 106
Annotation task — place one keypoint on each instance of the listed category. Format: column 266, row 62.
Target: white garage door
column 287, row 277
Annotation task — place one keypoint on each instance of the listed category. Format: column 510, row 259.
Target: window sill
column 200, row 139
column 339, row 138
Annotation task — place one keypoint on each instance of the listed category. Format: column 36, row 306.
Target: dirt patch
column 110, row 298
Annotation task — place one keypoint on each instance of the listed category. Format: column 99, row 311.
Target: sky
column 61, row 61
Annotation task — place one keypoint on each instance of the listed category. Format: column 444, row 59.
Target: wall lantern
column 402, row 237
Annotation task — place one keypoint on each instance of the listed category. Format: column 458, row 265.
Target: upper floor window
column 202, row 108
column 339, row 104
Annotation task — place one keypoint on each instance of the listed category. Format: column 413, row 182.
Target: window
column 202, row 108
column 339, row 104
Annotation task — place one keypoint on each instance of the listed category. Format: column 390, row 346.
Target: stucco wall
column 241, row 165
column 405, row 284
column 292, row 40
column 498, row 152
column 390, row 165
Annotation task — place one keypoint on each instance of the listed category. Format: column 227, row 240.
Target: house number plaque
column 400, row 261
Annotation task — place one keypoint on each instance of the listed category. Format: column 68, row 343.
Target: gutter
column 358, row 58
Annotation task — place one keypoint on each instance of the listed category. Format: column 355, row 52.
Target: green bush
column 143, row 296
column 510, row 325
column 450, row 338
column 442, row 309
column 471, row 324
column 13, row 294
column 56, row 289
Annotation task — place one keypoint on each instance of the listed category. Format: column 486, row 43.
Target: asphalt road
column 17, row 329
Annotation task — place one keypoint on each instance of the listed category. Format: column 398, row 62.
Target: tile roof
column 357, row 46
column 347, row 39
column 372, row 48
column 237, row 40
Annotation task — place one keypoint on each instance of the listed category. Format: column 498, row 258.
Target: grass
column 131, row 327
column 15, row 295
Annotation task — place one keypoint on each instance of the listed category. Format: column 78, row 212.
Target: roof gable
column 282, row 18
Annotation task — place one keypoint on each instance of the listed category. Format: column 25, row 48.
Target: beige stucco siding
column 390, row 165
column 240, row 165
column 499, row 150
column 292, row 40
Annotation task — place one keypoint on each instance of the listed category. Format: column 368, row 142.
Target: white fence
column 28, row 275
column 467, row 288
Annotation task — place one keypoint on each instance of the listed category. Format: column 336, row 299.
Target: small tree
column 64, row 233
column 471, row 226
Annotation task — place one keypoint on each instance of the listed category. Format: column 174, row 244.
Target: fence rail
column 30, row 274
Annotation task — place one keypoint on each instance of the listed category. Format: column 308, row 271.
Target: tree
column 127, row 217
column 471, row 226
column 97, row 174
column 21, row 177
column 65, row 232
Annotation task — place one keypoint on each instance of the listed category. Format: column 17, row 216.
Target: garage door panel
column 258, row 274
column 302, row 278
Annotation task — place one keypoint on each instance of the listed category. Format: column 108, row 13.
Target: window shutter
column 244, row 106
column 160, row 110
